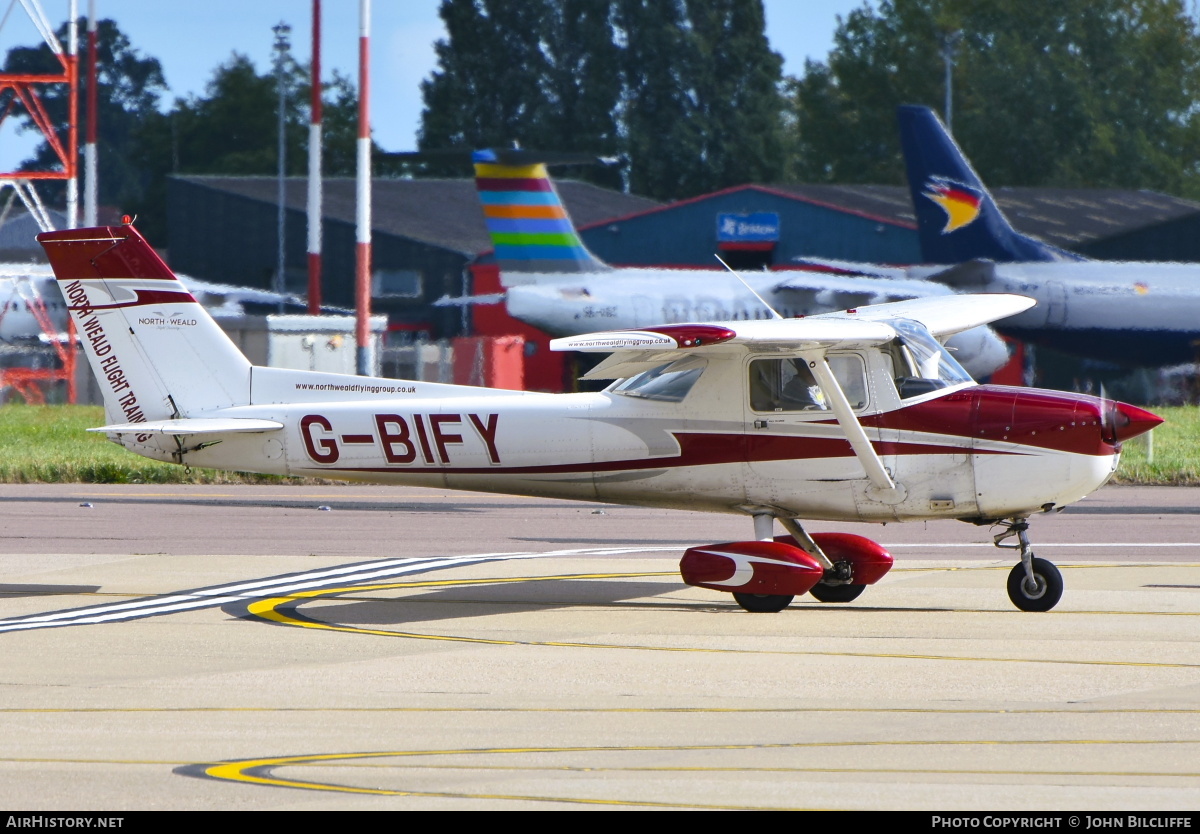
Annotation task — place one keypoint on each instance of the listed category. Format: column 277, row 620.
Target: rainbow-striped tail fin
column 527, row 221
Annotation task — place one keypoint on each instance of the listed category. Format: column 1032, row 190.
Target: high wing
column 944, row 316
column 633, row 351
column 834, row 266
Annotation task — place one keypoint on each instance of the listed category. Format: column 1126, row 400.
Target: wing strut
column 883, row 488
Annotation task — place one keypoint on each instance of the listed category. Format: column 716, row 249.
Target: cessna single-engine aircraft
column 554, row 283
column 1134, row 314
column 859, row 415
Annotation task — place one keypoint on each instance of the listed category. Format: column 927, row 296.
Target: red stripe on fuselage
column 704, row 449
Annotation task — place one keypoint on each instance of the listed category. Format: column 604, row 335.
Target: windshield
column 668, row 383
column 921, row 363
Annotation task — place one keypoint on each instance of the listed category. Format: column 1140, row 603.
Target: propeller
column 1113, row 419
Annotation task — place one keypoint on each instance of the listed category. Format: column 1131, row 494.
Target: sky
column 191, row 39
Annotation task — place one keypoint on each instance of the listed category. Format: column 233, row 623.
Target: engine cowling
column 776, row 568
column 869, row 560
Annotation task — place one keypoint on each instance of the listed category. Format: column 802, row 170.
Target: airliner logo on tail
column 961, row 202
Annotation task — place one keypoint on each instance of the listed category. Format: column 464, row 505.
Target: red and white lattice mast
column 21, row 91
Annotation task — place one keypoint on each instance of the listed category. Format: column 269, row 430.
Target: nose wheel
column 1033, row 584
column 1040, row 594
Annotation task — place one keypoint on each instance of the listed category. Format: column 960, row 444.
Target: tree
column 687, row 91
column 128, row 91
column 663, row 139
column 1075, row 93
column 487, row 94
column 737, row 93
column 233, row 128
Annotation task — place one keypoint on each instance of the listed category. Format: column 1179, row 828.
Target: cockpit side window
column 669, row 382
column 922, row 365
column 789, row 384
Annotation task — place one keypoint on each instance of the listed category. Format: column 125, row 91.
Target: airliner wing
column 633, row 351
column 832, row 266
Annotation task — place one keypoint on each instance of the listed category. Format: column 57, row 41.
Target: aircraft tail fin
column 957, row 218
column 526, row 219
column 156, row 353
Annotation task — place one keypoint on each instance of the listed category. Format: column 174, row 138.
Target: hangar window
column 669, row 382
column 396, row 283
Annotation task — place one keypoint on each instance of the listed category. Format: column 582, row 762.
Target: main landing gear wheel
column 1045, row 592
column 763, row 603
column 836, row 593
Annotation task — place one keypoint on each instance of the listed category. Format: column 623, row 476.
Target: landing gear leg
column 1033, row 584
column 837, row 584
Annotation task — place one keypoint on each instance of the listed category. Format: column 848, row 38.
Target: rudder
column 527, row 222
column 957, row 218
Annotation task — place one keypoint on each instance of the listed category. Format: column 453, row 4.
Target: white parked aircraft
column 851, row 416
column 554, row 283
column 1134, row 314
column 32, row 308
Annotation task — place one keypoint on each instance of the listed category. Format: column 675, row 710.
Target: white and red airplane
column 860, row 415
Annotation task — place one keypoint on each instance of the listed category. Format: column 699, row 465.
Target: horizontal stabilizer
column 194, row 425
column 969, row 275
column 501, row 156
column 832, row 266
column 469, row 300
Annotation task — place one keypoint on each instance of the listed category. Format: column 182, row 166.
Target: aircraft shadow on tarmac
column 439, row 504
column 10, row 591
column 1100, row 510
column 483, row 601
column 523, row 596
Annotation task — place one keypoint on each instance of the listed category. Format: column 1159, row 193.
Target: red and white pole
column 73, row 106
column 90, row 184
column 364, row 355
column 314, row 170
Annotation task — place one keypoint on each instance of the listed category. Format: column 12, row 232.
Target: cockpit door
column 790, row 427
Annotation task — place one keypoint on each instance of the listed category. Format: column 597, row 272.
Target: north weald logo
column 960, row 202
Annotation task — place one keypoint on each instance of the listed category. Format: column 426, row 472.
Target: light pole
column 950, row 41
column 281, row 31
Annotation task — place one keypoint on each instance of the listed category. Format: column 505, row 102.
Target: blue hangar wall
column 686, row 233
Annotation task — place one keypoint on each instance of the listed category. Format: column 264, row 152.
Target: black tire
column 763, row 603
column 836, row 593
column 1049, row 586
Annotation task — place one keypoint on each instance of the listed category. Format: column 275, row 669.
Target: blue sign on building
column 757, row 227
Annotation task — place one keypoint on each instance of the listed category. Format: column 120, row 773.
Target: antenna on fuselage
column 747, row 286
